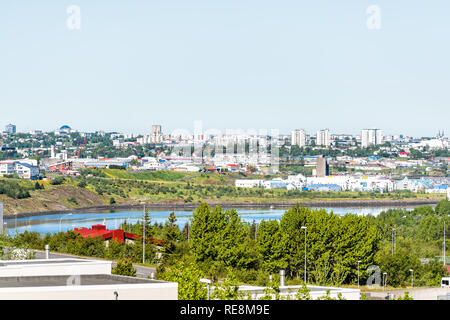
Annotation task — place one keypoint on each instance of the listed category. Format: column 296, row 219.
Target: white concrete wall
column 291, row 291
column 153, row 291
column 416, row 294
column 55, row 269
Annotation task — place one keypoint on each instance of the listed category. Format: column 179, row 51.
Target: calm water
column 63, row 222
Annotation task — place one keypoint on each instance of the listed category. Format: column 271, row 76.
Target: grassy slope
column 57, row 197
column 52, row 198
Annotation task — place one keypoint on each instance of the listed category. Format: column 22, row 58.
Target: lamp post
column 208, row 282
column 358, row 272
column 305, row 254
column 444, row 243
column 143, row 237
column 412, row 277
column 60, row 220
column 384, row 280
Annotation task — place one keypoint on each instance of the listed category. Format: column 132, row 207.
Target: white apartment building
column 323, row 137
column 248, row 183
column 24, row 169
column 156, row 136
column 370, row 137
column 408, row 184
column 6, row 167
column 146, row 139
column 298, row 138
column 150, row 163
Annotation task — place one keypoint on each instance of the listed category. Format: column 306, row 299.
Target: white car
column 445, row 282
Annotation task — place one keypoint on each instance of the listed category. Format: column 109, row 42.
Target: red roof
column 447, row 268
column 100, row 230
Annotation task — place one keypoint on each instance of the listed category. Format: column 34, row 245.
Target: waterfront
column 68, row 221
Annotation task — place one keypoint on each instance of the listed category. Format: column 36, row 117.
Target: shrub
column 124, row 267
column 57, row 181
column 82, row 184
column 14, row 190
column 73, row 200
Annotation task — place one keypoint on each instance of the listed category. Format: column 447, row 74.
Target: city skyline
column 239, row 64
column 313, row 133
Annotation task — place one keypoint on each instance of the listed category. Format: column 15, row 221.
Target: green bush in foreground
column 124, row 267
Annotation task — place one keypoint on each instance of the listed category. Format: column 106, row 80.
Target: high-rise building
column 10, row 128
column 370, row 137
column 323, row 138
column 322, row 167
column 298, row 138
column 156, row 136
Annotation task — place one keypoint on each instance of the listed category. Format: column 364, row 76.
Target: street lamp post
column 305, row 254
column 143, row 238
column 444, row 243
column 412, row 277
column 60, row 220
column 358, row 272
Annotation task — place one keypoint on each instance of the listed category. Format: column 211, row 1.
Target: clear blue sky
column 282, row 64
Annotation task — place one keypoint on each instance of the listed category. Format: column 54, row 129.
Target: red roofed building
column 447, row 268
column 99, row 230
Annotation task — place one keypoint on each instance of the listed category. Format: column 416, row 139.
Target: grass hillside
column 52, row 198
column 213, row 178
column 113, row 186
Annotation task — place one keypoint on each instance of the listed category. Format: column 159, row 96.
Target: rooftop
column 5, row 263
column 58, row 281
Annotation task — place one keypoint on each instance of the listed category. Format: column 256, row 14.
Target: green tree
column 272, row 253
column 228, row 289
column 188, row 276
column 221, row 238
column 397, row 265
